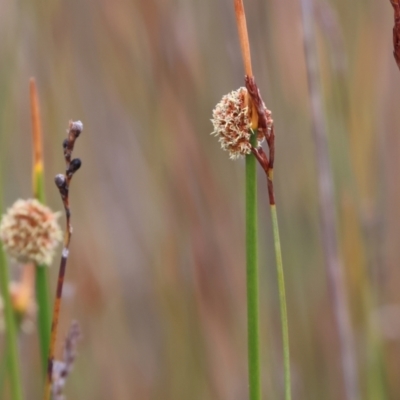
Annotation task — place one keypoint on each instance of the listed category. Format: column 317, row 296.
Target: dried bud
column 30, row 232
column 74, row 165
column 59, row 180
column 76, row 127
column 232, row 123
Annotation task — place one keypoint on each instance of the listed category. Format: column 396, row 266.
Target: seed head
column 232, row 123
column 30, row 232
column 24, row 307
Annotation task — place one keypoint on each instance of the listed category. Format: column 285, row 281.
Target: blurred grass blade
column 333, row 262
column 11, row 352
column 42, row 285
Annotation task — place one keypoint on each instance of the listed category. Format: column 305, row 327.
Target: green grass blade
column 11, row 331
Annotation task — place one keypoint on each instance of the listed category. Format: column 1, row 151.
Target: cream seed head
column 232, row 123
column 30, row 232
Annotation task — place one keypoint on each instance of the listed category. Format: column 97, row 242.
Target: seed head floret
column 232, row 123
column 30, row 232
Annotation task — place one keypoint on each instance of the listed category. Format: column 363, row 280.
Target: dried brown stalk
column 243, row 36
column 63, row 368
column 396, row 31
column 37, row 134
column 261, row 116
column 266, row 126
column 63, row 182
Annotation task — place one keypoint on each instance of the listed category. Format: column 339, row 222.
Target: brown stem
column 54, row 325
column 63, row 182
column 271, row 193
column 36, row 132
column 243, row 36
column 396, row 31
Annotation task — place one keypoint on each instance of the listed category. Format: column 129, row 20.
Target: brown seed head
column 232, row 123
column 30, row 232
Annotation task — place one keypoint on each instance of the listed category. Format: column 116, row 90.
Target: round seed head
column 232, row 123
column 30, row 232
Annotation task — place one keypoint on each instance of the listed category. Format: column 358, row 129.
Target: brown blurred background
column 157, row 275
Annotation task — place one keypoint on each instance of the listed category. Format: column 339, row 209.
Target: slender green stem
column 11, row 331
column 44, row 314
column 252, row 279
column 42, row 289
column 282, row 301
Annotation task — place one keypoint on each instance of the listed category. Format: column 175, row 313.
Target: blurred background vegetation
column 157, row 273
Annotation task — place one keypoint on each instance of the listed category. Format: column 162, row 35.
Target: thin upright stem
column 282, row 302
column 333, row 261
column 42, row 280
column 63, row 183
column 252, row 278
column 54, row 325
column 243, row 36
column 44, row 320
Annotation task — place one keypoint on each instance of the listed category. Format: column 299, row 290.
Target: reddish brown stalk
column 37, row 134
column 243, row 36
column 63, row 182
column 261, row 116
column 396, row 31
column 266, row 125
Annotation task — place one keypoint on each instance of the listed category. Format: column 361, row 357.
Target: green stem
column 11, row 331
column 282, row 301
column 252, row 278
column 44, row 314
column 42, row 290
